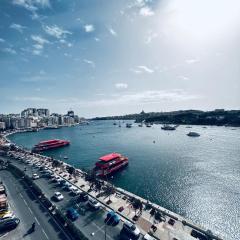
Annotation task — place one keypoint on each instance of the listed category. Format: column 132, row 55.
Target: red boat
column 109, row 164
column 50, row 144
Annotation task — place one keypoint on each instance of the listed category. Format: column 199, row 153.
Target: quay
column 150, row 218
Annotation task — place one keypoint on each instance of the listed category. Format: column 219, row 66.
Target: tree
column 71, row 170
column 56, row 163
column 137, row 204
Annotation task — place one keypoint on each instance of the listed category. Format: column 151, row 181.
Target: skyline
column 118, row 58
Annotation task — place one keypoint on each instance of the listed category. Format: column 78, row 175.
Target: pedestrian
column 33, row 226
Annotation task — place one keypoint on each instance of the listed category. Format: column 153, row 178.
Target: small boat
column 148, row 125
column 193, row 134
column 168, row 127
column 128, row 125
column 140, row 125
column 114, row 123
column 65, row 157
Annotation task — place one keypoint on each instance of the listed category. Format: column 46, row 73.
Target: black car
column 83, row 197
column 9, row 224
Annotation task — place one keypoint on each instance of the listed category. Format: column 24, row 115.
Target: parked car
column 72, row 214
column 83, row 197
column 93, row 203
column 75, row 191
column 56, row 178
column 112, row 218
column 58, row 196
column 9, row 224
column 35, row 176
column 148, row 237
column 66, row 185
column 130, row 230
column 8, row 215
column 71, row 187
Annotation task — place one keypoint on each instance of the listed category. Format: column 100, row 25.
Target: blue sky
column 116, row 57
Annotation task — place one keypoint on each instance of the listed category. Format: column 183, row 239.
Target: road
column 91, row 222
column 28, row 209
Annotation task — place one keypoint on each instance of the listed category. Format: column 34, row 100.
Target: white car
column 71, row 187
column 148, row 237
column 75, row 191
column 35, row 176
column 131, row 228
column 58, row 196
column 93, row 203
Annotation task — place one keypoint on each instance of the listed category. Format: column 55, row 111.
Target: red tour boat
column 49, row 144
column 109, row 164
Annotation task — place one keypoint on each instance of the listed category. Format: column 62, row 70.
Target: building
column 43, row 112
column 2, row 126
column 70, row 113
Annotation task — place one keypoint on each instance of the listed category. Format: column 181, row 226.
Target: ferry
column 109, row 164
column 50, row 144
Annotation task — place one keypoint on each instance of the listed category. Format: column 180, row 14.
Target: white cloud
column 112, row 31
column 2, row 40
column 191, row 61
column 17, row 27
column 121, row 85
column 89, row 62
column 9, row 50
column 40, row 40
column 142, row 69
column 89, row 28
column 32, row 5
column 38, row 46
column 56, row 31
column 133, row 98
column 146, row 11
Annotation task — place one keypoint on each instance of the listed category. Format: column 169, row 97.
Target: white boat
column 193, row 134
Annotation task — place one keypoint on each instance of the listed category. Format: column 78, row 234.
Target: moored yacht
column 193, row 134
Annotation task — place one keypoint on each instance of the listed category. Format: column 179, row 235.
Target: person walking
column 33, row 226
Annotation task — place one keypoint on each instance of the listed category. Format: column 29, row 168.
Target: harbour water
column 194, row 177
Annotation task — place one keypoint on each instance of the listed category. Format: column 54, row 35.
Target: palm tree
column 137, row 204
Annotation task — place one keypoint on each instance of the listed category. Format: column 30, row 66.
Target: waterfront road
column 91, row 223
column 27, row 208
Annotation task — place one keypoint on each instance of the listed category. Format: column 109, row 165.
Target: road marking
column 45, row 234
column 37, row 221
column 30, row 210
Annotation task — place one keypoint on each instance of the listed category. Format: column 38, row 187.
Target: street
column 27, row 208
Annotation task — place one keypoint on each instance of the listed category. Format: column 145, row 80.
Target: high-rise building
column 70, row 113
column 2, row 126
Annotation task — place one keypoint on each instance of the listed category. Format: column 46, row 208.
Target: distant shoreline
column 218, row 117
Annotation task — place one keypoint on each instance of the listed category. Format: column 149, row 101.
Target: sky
column 101, row 57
